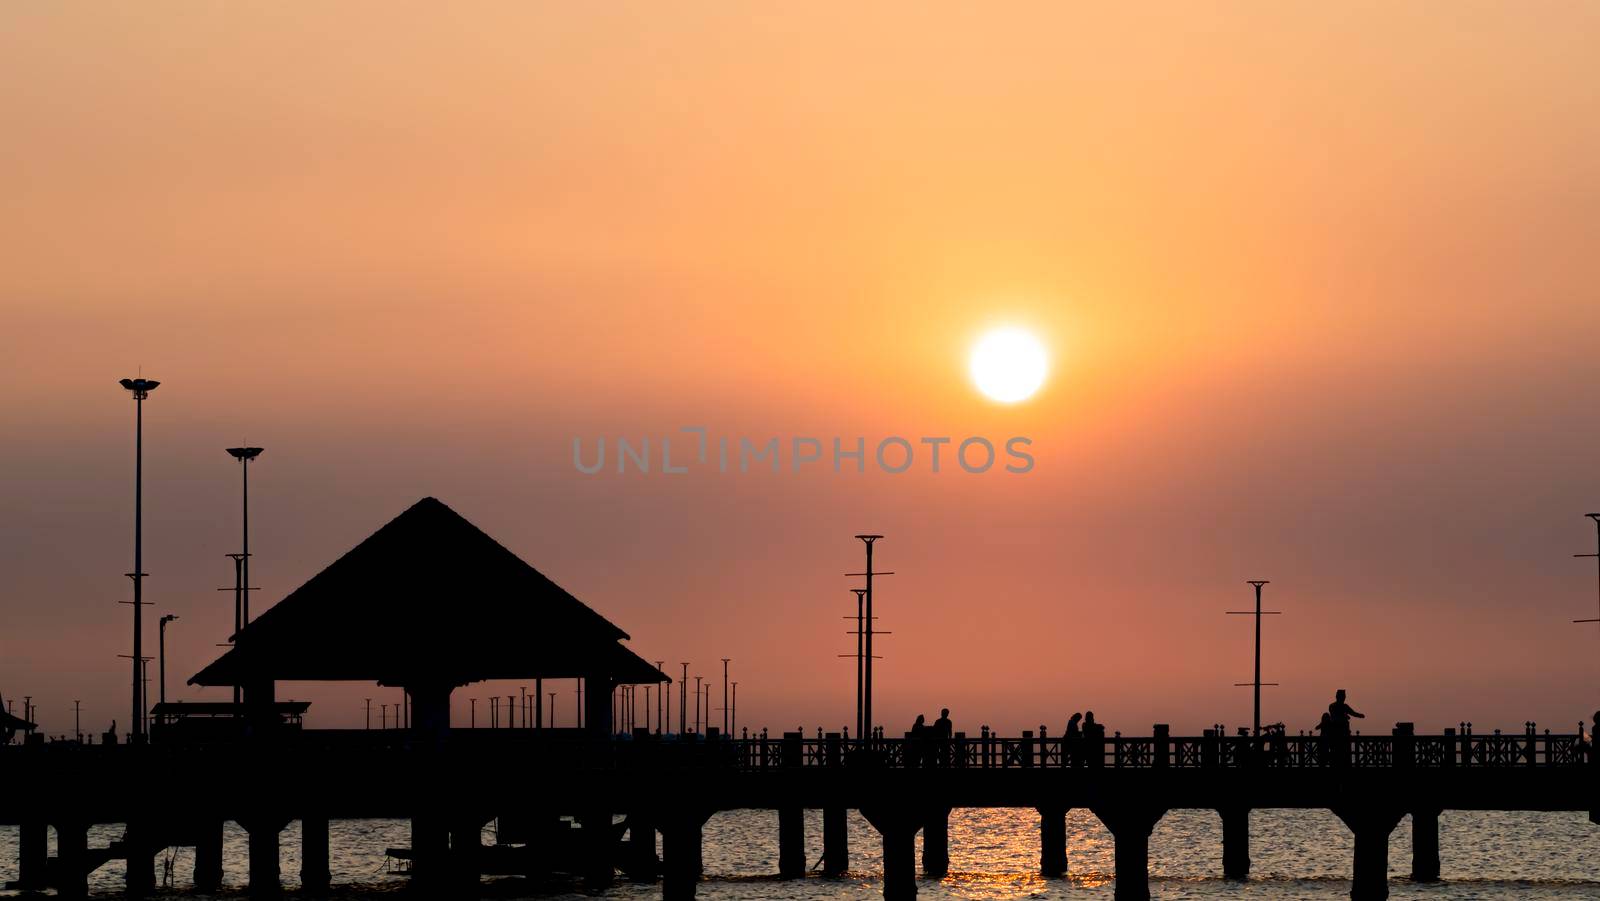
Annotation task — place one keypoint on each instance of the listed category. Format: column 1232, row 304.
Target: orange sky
column 1318, row 284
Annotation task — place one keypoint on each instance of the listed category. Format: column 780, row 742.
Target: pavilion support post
column 597, row 690
column 1371, row 826
column 1235, row 842
column 71, row 876
column 1052, row 842
column 599, row 845
column 260, row 708
column 33, row 855
column 1425, row 845
column 430, row 709
column 208, row 856
column 315, row 873
column 835, row 841
column 936, row 843
column 1131, row 825
column 140, row 876
column 681, row 848
column 791, row 842
column 899, row 831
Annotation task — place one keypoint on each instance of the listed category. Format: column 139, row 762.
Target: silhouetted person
column 1073, row 741
column 1339, row 714
column 1094, row 740
column 943, row 731
column 916, row 747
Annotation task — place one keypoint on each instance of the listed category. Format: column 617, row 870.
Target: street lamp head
column 141, row 388
column 168, row 618
column 244, row 454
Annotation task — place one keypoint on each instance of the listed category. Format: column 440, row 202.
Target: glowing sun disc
column 1008, row 365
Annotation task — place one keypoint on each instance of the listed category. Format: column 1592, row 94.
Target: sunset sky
column 1317, row 283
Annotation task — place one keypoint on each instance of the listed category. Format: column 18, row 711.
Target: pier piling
column 71, row 875
column 140, row 876
column 1235, row 842
column 266, row 880
column 680, row 846
column 315, row 874
column 1371, row 827
column 1052, row 842
column 208, row 856
column 33, row 855
column 835, row 841
column 936, row 843
column 1131, row 825
column 791, row 842
column 1425, row 845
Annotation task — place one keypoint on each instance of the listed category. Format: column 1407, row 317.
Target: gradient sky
column 1318, row 283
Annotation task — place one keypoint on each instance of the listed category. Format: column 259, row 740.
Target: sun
column 1008, row 364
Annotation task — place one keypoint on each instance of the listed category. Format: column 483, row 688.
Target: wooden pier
column 180, row 794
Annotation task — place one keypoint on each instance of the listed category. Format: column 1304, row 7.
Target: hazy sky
column 1317, row 281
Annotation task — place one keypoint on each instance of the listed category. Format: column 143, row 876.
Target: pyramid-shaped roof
column 428, row 597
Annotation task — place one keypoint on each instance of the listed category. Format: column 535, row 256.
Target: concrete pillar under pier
column 1131, row 825
column 640, row 861
column 138, row 844
column 208, row 856
column 1371, row 826
column 1052, row 842
column 899, row 831
column 466, row 847
column 1425, row 845
column 936, row 843
column 791, row 842
column 1235, row 842
column 835, row 841
column 680, row 845
column 33, row 855
column 430, row 850
column 266, row 880
column 71, row 876
column 315, row 874
column 599, row 845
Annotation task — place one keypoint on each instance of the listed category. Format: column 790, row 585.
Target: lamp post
column 244, row 455
column 725, row 695
column 141, row 388
column 163, row 652
column 1256, row 683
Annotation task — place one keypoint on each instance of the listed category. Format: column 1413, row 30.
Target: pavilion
column 429, row 603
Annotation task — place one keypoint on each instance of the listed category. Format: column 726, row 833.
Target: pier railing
column 985, row 751
column 1401, row 749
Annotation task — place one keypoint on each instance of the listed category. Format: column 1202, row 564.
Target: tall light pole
column 1257, row 683
column 141, row 388
column 244, row 455
column 163, row 652
column 725, row 695
column 683, row 702
column 733, row 714
column 1596, row 556
column 870, row 619
column 663, row 701
column 697, row 705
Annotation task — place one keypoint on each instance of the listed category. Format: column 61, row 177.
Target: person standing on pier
column 943, row 732
column 1071, row 742
column 1339, row 714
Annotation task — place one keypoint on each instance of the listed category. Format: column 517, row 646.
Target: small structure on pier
column 11, row 724
column 429, row 603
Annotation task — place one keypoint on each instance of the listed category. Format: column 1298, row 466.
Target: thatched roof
column 428, row 597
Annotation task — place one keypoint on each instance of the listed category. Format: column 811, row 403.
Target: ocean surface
column 994, row 854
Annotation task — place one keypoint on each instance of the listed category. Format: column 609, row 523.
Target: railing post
column 1532, row 741
column 960, row 750
column 984, row 748
column 1448, row 754
column 834, row 749
column 1027, row 748
column 1210, row 748
column 1405, row 751
column 1162, row 745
